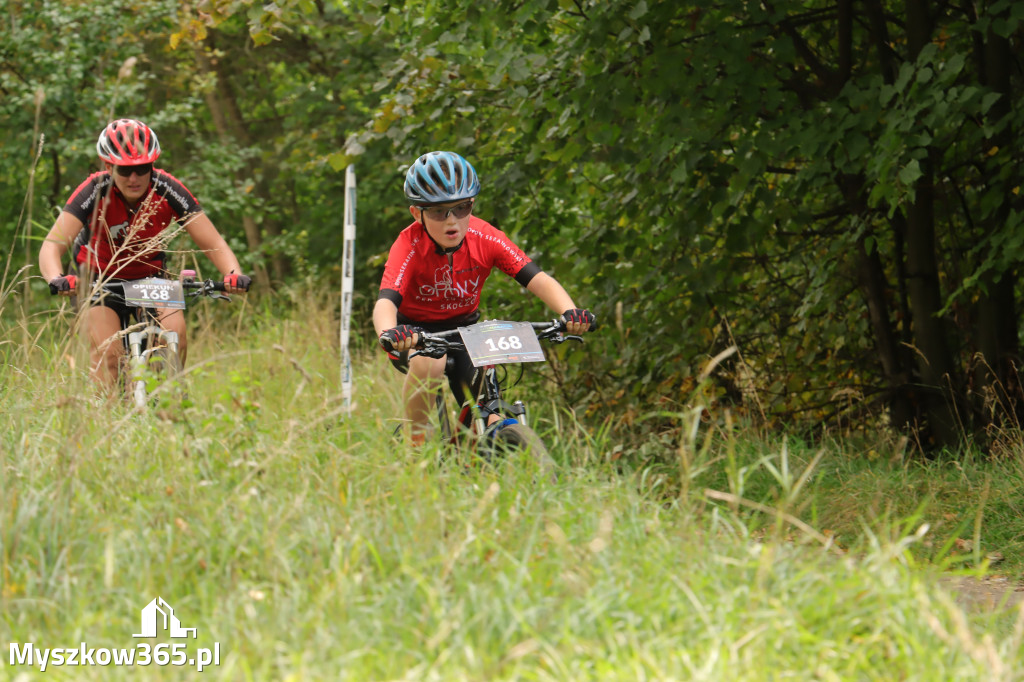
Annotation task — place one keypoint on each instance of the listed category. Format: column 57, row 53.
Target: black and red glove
column 238, row 281
column 390, row 337
column 63, row 283
column 580, row 316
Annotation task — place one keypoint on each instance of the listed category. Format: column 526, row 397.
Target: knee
column 426, row 369
column 108, row 358
column 175, row 323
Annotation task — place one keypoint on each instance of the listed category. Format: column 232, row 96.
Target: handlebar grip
column 208, row 285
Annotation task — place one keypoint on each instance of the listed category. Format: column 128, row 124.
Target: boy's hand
column 578, row 320
column 400, row 338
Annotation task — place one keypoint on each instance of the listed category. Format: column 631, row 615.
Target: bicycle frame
column 488, row 396
column 141, row 344
column 485, row 386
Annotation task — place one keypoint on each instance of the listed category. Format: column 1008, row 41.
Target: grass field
column 308, row 544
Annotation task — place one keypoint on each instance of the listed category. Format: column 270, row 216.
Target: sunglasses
column 140, row 170
column 460, row 211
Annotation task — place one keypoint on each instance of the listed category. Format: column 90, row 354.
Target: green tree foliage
column 74, row 63
column 252, row 131
column 833, row 187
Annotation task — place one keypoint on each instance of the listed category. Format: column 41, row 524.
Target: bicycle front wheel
column 516, row 439
column 165, row 364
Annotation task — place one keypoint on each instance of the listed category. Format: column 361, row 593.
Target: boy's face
column 450, row 230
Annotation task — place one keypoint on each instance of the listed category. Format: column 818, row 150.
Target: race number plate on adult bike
column 154, row 293
column 153, row 354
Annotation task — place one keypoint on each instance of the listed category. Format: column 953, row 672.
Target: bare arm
column 385, row 315
column 210, row 242
column 546, row 288
column 56, row 245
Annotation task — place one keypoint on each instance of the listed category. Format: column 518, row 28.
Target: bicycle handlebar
column 436, row 344
column 200, row 288
column 203, row 287
column 544, row 330
column 209, row 287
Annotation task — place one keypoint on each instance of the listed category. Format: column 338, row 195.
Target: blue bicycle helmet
column 440, row 177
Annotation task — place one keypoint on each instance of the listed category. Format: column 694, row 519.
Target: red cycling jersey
column 429, row 285
column 122, row 242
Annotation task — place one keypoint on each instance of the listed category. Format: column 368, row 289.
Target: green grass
column 312, row 545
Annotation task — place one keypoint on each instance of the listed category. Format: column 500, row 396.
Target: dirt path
column 985, row 594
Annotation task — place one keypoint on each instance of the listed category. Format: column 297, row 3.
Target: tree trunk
column 997, row 389
column 213, row 102
column 263, row 178
column 935, row 364
column 873, row 285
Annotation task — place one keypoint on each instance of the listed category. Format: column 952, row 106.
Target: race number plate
column 154, row 293
column 496, row 342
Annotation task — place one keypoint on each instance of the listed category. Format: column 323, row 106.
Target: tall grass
column 312, row 545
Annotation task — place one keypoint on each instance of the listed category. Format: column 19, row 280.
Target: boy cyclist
column 435, row 272
column 113, row 222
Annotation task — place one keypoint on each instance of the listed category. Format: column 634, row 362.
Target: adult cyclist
column 435, row 273
column 114, row 224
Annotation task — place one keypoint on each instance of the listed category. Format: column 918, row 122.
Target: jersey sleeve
column 83, row 199
column 398, row 269
column 510, row 259
column 179, row 199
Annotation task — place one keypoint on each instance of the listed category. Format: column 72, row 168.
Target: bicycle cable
column 504, row 378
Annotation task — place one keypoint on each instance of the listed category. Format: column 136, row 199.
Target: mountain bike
column 151, row 352
column 486, row 419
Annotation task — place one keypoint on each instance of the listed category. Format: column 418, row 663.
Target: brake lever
column 208, row 290
column 560, row 337
column 435, row 353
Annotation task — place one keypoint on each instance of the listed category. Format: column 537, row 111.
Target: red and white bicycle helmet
column 127, row 142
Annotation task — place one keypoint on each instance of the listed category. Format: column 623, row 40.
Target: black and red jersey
column 429, row 285
column 122, row 242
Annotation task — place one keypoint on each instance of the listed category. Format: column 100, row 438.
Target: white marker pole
column 347, row 282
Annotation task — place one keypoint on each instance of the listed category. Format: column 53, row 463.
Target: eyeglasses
column 140, row 170
column 438, row 213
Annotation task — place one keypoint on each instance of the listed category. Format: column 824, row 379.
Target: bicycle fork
column 476, row 416
column 153, row 338
column 496, row 404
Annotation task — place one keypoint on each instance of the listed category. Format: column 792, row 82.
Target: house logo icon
column 158, row 615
